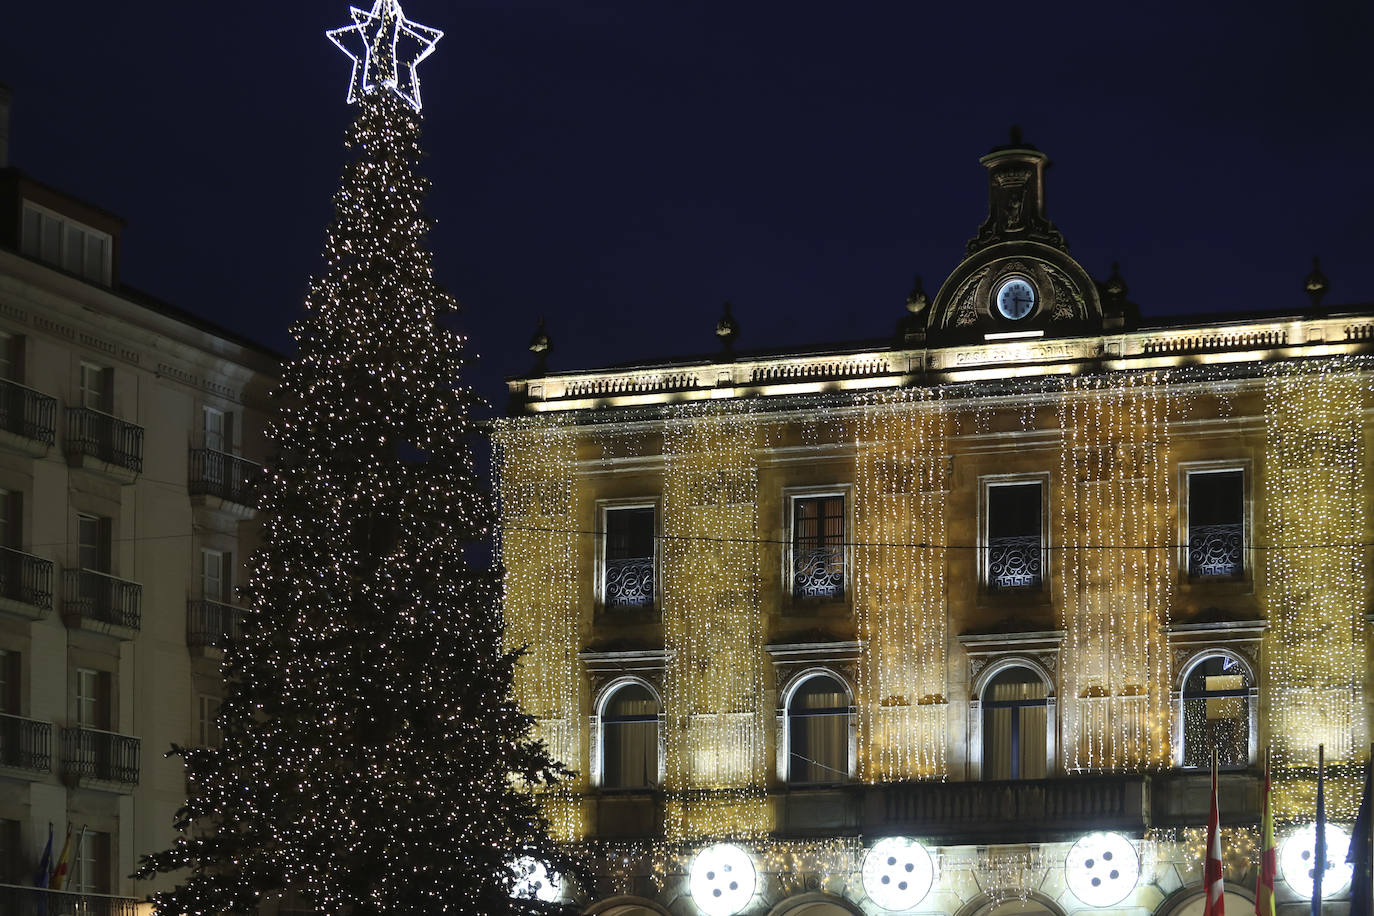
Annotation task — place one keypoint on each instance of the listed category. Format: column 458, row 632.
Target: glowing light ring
column 722, row 880
column 1102, row 869
column 897, row 873
column 1296, row 865
column 372, row 42
column 534, row 880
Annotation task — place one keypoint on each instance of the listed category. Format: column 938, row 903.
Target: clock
column 1015, row 298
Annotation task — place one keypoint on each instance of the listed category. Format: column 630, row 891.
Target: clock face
column 1015, row 298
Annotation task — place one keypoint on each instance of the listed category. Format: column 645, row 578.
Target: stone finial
column 1115, row 289
column 727, row 329
column 540, row 345
column 1316, row 283
column 917, row 300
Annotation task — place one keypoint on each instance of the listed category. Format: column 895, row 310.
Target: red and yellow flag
column 1212, row 883
column 59, row 874
column 1264, row 887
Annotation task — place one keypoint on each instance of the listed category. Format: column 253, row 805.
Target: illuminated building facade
column 950, row 623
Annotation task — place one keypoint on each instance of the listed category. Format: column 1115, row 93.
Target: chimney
column 5, row 97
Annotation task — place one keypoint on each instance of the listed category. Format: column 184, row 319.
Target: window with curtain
column 818, row 547
column 629, row 739
column 818, row 732
column 1015, row 720
column 1216, row 713
column 1216, row 523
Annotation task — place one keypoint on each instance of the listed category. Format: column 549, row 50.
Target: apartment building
column 130, row 434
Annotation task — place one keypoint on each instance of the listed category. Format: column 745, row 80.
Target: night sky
column 624, row 169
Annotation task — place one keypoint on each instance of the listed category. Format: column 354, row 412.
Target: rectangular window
column 67, row 244
column 818, row 547
column 10, row 853
column 216, row 575
column 11, row 519
column 1015, row 524
column 12, row 358
column 93, row 543
column 94, row 699
column 91, row 865
column 208, row 731
column 1216, row 524
column 96, row 388
column 9, row 682
column 218, row 429
column 629, row 557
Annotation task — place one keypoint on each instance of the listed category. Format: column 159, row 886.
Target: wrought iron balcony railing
column 26, row 578
column 25, row 744
column 101, row 597
column 100, row 435
column 630, row 582
column 1215, row 550
column 1014, row 562
column 28, row 413
column 20, row 900
column 89, row 753
column 211, row 623
column 229, row 477
column 818, row 572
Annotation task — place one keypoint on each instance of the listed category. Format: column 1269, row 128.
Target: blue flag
column 40, row 877
column 1319, row 863
column 1361, row 849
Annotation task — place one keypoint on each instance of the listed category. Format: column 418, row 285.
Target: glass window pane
column 73, row 249
column 629, row 739
column 1015, row 725
column 1014, row 526
column 818, row 732
column 1216, row 713
column 629, row 557
column 50, row 233
column 818, row 547
column 1216, row 523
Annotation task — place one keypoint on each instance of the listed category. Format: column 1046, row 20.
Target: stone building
column 951, row 622
column 128, row 436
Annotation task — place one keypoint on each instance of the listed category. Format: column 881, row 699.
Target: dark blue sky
column 623, row 169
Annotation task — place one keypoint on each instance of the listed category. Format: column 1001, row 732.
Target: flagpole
column 1319, row 863
column 72, row 872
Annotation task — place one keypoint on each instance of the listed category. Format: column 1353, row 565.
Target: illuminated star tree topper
column 386, row 48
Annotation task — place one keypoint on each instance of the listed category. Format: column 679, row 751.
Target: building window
column 1216, row 713
column 9, row 682
column 93, row 699
column 11, row 519
column 91, row 868
column 217, row 429
column 11, row 358
column 629, row 560
column 207, row 709
column 629, row 738
column 1015, row 542
column 1015, row 725
column 818, row 547
column 217, row 576
column 1216, row 523
column 97, row 388
column 67, row 244
column 818, row 732
column 93, row 543
column 10, row 853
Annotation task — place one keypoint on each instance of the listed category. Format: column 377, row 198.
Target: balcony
column 211, row 624
column 28, row 419
column 100, row 759
column 25, row 745
column 97, row 601
column 1216, row 551
column 629, row 583
column 219, row 480
column 818, row 573
column 1011, row 811
column 1014, row 562
column 25, row 584
column 18, row 900
column 101, row 442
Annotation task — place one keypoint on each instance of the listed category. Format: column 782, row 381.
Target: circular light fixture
column 722, row 879
column 533, row 880
column 1102, row 869
column 1296, row 860
column 898, row 873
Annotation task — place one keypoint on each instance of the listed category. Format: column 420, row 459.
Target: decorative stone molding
column 791, row 660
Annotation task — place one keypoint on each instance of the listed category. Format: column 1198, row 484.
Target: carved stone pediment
column 604, row 667
column 792, row 659
column 1038, row 647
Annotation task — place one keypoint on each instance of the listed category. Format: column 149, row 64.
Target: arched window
column 818, row 732
column 1015, row 723
column 1216, row 712
column 629, row 738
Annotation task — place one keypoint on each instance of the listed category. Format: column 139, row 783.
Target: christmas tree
column 373, row 760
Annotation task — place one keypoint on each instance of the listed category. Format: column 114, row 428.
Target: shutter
column 104, row 701
column 105, row 543
column 107, row 390
column 226, row 577
column 229, row 434
column 14, row 518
